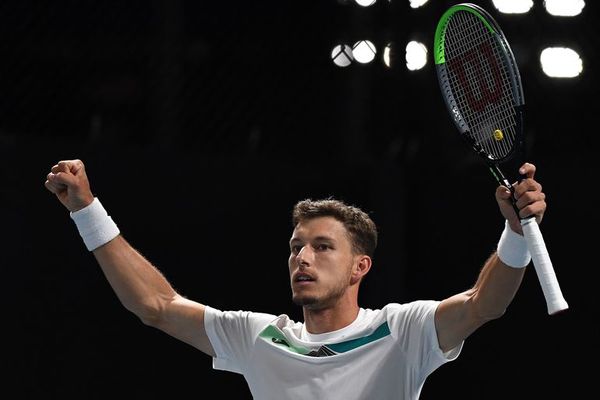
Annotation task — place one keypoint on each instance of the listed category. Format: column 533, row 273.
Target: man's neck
column 330, row 319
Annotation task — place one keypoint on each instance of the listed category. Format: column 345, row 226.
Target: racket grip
column 543, row 266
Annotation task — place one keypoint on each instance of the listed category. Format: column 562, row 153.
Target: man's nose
column 305, row 256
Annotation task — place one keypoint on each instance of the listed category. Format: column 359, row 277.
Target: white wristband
column 95, row 226
column 512, row 248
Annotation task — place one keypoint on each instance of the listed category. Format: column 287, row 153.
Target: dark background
column 202, row 123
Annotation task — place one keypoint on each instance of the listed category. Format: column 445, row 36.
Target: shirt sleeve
column 232, row 335
column 414, row 323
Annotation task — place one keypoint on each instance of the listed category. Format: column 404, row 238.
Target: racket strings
column 481, row 84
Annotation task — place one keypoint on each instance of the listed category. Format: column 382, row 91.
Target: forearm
column 495, row 288
column 140, row 287
column 460, row 315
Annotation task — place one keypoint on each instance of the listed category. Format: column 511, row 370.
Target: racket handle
column 543, row 266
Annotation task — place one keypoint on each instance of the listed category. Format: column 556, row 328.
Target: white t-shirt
column 384, row 354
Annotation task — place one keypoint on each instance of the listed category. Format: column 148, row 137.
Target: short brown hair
column 362, row 229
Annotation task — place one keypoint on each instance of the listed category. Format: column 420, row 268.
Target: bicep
column 459, row 316
column 456, row 319
column 184, row 320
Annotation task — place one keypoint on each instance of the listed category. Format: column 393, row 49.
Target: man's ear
column 361, row 267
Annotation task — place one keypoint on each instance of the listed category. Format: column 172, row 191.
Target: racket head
column 480, row 82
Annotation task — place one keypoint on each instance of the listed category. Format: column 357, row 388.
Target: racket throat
column 501, row 179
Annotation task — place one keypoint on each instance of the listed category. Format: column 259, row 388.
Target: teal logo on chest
column 274, row 335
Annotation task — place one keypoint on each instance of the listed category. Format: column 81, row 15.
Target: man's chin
column 305, row 301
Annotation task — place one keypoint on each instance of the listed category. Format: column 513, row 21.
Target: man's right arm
column 143, row 290
column 139, row 285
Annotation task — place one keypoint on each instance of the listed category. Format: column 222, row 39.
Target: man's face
column 321, row 262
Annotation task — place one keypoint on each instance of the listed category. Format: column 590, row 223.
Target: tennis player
column 341, row 351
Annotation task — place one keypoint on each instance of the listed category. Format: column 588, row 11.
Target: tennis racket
column 481, row 86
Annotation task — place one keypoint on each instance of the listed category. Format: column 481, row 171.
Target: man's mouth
column 301, row 278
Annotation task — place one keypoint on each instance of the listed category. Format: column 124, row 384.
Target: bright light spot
column 561, row 62
column 417, row 3
column 513, row 6
column 387, row 55
column 365, row 3
column 364, row 51
column 416, row 55
column 564, row 8
column 341, row 55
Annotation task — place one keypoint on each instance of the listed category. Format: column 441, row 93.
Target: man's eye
column 296, row 249
column 322, row 247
